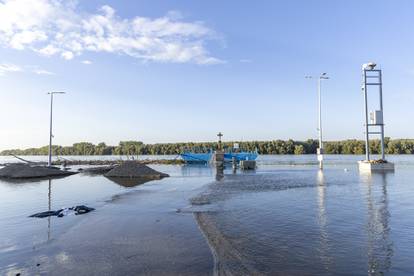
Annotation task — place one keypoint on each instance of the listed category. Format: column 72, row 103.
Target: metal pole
column 320, row 115
column 366, row 117
column 320, row 123
column 49, row 163
column 382, row 113
column 323, row 76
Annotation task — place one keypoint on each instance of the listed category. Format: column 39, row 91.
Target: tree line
column 131, row 148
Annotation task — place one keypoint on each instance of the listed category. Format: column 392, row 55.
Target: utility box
column 247, row 164
column 376, row 117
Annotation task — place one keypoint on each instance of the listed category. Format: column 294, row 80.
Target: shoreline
column 67, row 162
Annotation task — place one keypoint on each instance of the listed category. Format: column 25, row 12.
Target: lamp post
column 320, row 152
column 219, row 135
column 49, row 163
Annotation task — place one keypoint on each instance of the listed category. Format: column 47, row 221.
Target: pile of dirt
column 97, row 170
column 25, row 171
column 132, row 169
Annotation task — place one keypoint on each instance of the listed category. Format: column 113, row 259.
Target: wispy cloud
column 57, row 27
column 6, row 68
column 43, row 72
column 87, row 62
column 9, row 68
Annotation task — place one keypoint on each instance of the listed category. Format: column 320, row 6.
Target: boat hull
column 207, row 157
column 240, row 156
column 196, row 157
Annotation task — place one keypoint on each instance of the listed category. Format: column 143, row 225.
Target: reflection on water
column 129, row 182
column 380, row 248
column 267, row 223
column 325, row 256
column 49, row 208
column 219, row 173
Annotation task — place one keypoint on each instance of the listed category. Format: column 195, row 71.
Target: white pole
column 49, row 163
column 382, row 112
column 320, row 149
column 320, row 152
column 366, row 115
column 320, row 115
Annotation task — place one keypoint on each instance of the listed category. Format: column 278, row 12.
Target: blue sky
column 169, row 71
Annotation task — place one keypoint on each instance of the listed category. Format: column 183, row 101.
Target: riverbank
column 71, row 162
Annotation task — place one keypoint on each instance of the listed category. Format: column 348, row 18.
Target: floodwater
column 285, row 218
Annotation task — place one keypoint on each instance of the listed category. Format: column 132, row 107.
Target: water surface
column 285, row 218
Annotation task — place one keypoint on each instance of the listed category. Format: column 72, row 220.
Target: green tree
column 299, row 149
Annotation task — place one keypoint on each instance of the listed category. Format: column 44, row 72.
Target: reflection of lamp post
column 322, row 219
column 49, row 163
column 49, row 208
column 320, row 152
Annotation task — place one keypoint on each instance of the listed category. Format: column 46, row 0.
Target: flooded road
column 303, row 222
column 286, row 218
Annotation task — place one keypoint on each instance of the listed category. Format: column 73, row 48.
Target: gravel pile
column 21, row 171
column 132, row 169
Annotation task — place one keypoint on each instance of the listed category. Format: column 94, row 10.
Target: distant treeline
column 399, row 146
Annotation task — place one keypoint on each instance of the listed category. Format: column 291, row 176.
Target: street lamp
column 49, row 163
column 320, row 152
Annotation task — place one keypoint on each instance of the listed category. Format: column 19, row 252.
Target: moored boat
column 190, row 157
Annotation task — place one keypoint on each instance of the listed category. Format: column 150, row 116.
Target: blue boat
column 189, row 157
column 240, row 156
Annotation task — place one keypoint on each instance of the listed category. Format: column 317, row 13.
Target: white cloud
column 57, row 27
column 9, row 68
column 68, row 55
column 12, row 68
column 87, row 62
column 49, row 50
column 43, row 72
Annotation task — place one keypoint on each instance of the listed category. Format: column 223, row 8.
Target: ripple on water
column 299, row 223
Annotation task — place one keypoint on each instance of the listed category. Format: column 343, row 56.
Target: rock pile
column 25, row 171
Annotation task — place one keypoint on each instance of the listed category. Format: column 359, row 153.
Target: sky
column 183, row 70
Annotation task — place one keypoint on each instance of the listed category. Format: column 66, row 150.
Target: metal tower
column 373, row 78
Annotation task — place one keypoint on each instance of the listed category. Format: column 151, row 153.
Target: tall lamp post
column 320, row 152
column 219, row 135
column 49, row 163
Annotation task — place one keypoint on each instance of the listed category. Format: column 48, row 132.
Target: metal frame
column 369, row 73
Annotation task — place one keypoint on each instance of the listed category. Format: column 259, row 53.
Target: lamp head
column 324, row 76
column 369, row 66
